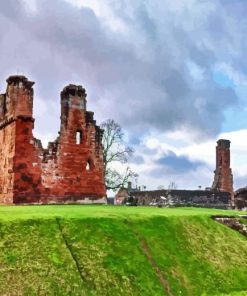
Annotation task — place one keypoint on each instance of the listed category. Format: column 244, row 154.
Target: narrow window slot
column 78, row 137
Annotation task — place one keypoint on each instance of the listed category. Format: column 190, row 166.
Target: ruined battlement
column 20, row 81
column 73, row 90
column 223, row 144
column 70, row 169
column 18, row 99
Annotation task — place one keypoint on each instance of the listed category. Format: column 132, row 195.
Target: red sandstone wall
column 27, row 179
column 64, row 172
column 223, row 179
column 7, row 153
column 58, row 173
column 19, row 97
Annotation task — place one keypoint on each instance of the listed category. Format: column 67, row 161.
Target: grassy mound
column 100, row 250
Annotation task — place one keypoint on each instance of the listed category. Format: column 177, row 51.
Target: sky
column 172, row 73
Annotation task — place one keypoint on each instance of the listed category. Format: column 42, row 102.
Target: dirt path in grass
column 150, row 258
column 146, row 250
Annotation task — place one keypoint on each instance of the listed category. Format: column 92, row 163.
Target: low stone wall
column 233, row 223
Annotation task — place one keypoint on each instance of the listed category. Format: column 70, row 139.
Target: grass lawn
column 94, row 211
column 107, row 250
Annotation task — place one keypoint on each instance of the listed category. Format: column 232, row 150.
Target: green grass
column 106, row 250
column 88, row 211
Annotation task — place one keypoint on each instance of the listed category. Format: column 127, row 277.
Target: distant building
column 176, row 197
column 220, row 195
column 240, row 197
column 124, row 193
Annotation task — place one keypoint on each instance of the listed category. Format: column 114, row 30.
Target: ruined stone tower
column 223, row 180
column 69, row 170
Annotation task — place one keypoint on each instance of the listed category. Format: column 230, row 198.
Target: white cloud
column 39, row 107
column 31, row 6
column 103, row 10
column 147, row 64
column 237, row 77
column 201, row 152
column 196, row 72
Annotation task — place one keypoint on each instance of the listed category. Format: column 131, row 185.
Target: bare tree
column 172, row 185
column 160, row 187
column 114, row 151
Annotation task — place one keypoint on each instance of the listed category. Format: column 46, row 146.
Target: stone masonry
column 223, row 180
column 69, row 170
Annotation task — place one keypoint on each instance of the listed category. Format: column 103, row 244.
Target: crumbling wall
column 7, row 153
column 70, row 169
column 27, row 180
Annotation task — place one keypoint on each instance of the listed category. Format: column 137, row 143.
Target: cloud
column 177, row 163
column 30, row 6
column 150, row 65
column 146, row 76
column 187, row 163
column 137, row 159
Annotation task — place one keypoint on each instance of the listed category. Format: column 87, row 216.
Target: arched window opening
column 88, row 166
column 78, row 137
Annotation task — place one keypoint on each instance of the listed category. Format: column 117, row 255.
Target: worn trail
column 147, row 252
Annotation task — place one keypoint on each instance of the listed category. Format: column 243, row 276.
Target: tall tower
column 80, row 156
column 19, row 178
column 223, row 180
column 19, row 97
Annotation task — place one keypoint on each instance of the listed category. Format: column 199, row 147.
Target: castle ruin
column 223, row 180
column 71, row 168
